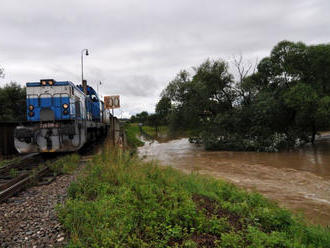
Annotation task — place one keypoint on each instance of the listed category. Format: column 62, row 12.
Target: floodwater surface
column 298, row 180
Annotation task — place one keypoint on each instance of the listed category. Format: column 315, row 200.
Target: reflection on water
column 298, row 179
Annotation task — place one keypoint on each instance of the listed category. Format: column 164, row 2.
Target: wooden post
column 113, row 128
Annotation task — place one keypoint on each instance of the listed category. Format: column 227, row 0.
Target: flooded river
column 298, row 180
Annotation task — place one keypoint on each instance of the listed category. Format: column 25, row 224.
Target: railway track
column 17, row 175
column 26, row 170
column 19, row 162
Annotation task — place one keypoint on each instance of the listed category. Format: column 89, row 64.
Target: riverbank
column 298, row 180
column 159, row 134
column 121, row 201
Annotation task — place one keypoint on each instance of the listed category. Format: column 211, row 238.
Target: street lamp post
column 82, row 65
column 98, row 89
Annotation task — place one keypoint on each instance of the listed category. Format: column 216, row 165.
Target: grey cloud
column 137, row 46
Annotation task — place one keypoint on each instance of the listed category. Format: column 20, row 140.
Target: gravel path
column 29, row 219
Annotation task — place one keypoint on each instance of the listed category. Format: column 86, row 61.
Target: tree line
column 12, row 101
column 282, row 103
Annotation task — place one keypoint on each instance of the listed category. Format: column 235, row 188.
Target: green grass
column 66, row 164
column 121, row 201
column 9, row 161
column 164, row 132
column 132, row 131
column 151, row 131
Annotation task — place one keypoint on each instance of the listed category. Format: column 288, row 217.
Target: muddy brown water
column 298, row 180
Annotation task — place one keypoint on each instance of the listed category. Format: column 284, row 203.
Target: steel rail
column 17, row 163
column 13, row 187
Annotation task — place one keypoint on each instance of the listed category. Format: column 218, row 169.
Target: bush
column 235, row 142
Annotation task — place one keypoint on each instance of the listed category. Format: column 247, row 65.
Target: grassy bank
column 162, row 131
column 121, row 201
column 132, row 133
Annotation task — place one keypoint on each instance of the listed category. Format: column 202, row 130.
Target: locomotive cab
column 59, row 117
column 54, row 101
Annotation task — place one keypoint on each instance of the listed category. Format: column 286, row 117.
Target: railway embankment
column 121, row 201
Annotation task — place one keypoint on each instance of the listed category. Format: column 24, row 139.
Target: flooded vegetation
column 298, row 180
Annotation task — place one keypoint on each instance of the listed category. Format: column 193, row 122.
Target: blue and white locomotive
column 61, row 117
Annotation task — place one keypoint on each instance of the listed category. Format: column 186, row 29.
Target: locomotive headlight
column 50, row 83
column 65, row 106
column 43, row 83
column 31, row 107
column 65, row 112
column 31, row 114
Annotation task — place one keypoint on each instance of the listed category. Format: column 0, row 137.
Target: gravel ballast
column 29, row 219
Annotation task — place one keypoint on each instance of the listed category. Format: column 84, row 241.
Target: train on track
column 61, row 117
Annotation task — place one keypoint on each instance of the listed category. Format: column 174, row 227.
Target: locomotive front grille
column 46, row 114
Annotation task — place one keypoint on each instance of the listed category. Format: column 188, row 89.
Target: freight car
column 61, row 117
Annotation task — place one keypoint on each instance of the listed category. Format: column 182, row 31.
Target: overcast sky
column 137, row 47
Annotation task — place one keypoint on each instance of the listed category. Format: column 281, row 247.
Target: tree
column 289, row 62
column 163, row 108
column 176, row 89
column 318, row 71
column 141, row 117
column 312, row 112
column 154, row 120
column 196, row 99
column 245, row 84
column 13, row 102
column 285, row 100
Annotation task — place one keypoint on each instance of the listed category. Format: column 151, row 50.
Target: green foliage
column 66, row 164
column 283, row 104
column 163, row 108
column 196, row 98
column 323, row 112
column 140, row 118
column 13, row 102
column 13, row 172
column 120, row 201
column 6, row 162
column 154, row 120
column 231, row 239
column 156, row 132
column 132, row 132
